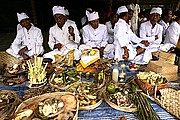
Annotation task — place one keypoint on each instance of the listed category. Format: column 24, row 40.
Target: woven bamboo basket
column 60, row 87
column 88, row 107
column 169, row 100
column 91, row 107
column 42, row 97
column 126, row 109
column 150, row 88
column 11, row 106
column 8, row 59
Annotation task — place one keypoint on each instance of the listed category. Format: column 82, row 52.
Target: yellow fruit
column 93, row 52
column 93, row 102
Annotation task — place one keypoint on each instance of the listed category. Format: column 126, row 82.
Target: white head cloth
column 92, row 16
column 157, row 10
column 83, row 20
column 21, row 16
column 66, row 12
column 122, row 9
column 58, row 10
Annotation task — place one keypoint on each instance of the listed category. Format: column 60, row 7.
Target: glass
column 122, row 75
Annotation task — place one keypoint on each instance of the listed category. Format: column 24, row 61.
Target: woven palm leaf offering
column 89, row 61
column 57, row 106
column 88, row 94
column 65, row 78
column 151, row 82
column 9, row 101
column 118, row 95
column 64, row 59
column 36, row 73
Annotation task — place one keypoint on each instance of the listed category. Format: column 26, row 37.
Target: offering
column 14, row 69
column 132, row 67
column 117, row 96
column 36, row 73
column 89, row 56
column 50, row 108
column 88, row 95
column 65, row 78
column 55, row 106
column 151, row 82
column 8, row 103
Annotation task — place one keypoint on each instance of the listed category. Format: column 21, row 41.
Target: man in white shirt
column 63, row 36
column 172, row 33
column 151, row 30
column 134, row 21
column 95, row 35
column 127, row 45
column 165, row 21
column 28, row 41
column 110, row 27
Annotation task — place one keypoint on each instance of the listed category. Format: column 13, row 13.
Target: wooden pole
column 34, row 12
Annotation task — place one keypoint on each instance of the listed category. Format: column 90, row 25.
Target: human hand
column 21, row 51
column 25, row 56
column 125, row 56
column 145, row 42
column 58, row 46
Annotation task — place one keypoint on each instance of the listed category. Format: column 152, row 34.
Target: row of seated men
column 114, row 39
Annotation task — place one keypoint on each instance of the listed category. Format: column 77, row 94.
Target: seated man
column 127, row 45
column 63, row 36
column 95, row 36
column 152, row 31
column 28, row 41
column 110, row 27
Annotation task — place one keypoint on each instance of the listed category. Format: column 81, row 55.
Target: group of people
column 114, row 39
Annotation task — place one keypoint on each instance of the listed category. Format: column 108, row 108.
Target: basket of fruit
column 88, row 94
column 65, row 78
column 150, row 82
column 9, row 101
column 117, row 96
column 57, row 105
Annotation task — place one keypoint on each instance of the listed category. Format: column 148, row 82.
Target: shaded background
column 40, row 13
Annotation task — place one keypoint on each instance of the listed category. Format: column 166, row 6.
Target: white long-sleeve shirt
column 148, row 32
column 28, row 38
column 172, row 33
column 134, row 19
column 95, row 37
column 110, row 32
column 165, row 26
column 124, row 36
column 58, row 35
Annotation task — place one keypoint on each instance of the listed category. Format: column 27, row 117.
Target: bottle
column 115, row 72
